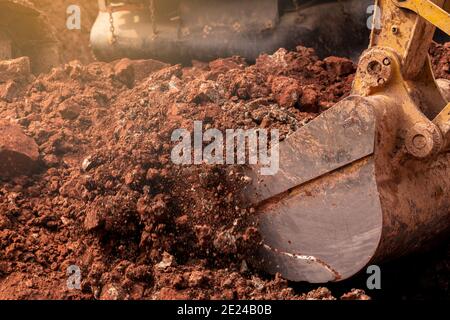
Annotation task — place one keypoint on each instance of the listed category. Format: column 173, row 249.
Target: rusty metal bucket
column 345, row 195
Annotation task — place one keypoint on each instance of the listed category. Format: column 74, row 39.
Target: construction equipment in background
column 368, row 180
column 179, row 31
column 24, row 31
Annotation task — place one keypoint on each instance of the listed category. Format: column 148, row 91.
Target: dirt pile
column 106, row 196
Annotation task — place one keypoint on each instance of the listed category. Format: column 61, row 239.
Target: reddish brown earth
column 441, row 60
column 105, row 196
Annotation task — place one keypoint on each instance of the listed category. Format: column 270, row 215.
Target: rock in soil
column 19, row 153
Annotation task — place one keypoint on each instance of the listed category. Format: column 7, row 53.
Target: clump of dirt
column 107, row 197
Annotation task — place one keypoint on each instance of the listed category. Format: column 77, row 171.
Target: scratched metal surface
column 326, row 230
column 320, row 216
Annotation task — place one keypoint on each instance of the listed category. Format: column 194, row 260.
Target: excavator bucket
column 321, row 215
column 369, row 179
column 342, row 200
column 24, row 31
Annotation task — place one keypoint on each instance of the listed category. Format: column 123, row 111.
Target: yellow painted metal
column 429, row 11
column 397, row 65
column 405, row 32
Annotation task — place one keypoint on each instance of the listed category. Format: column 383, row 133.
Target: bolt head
column 423, row 140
